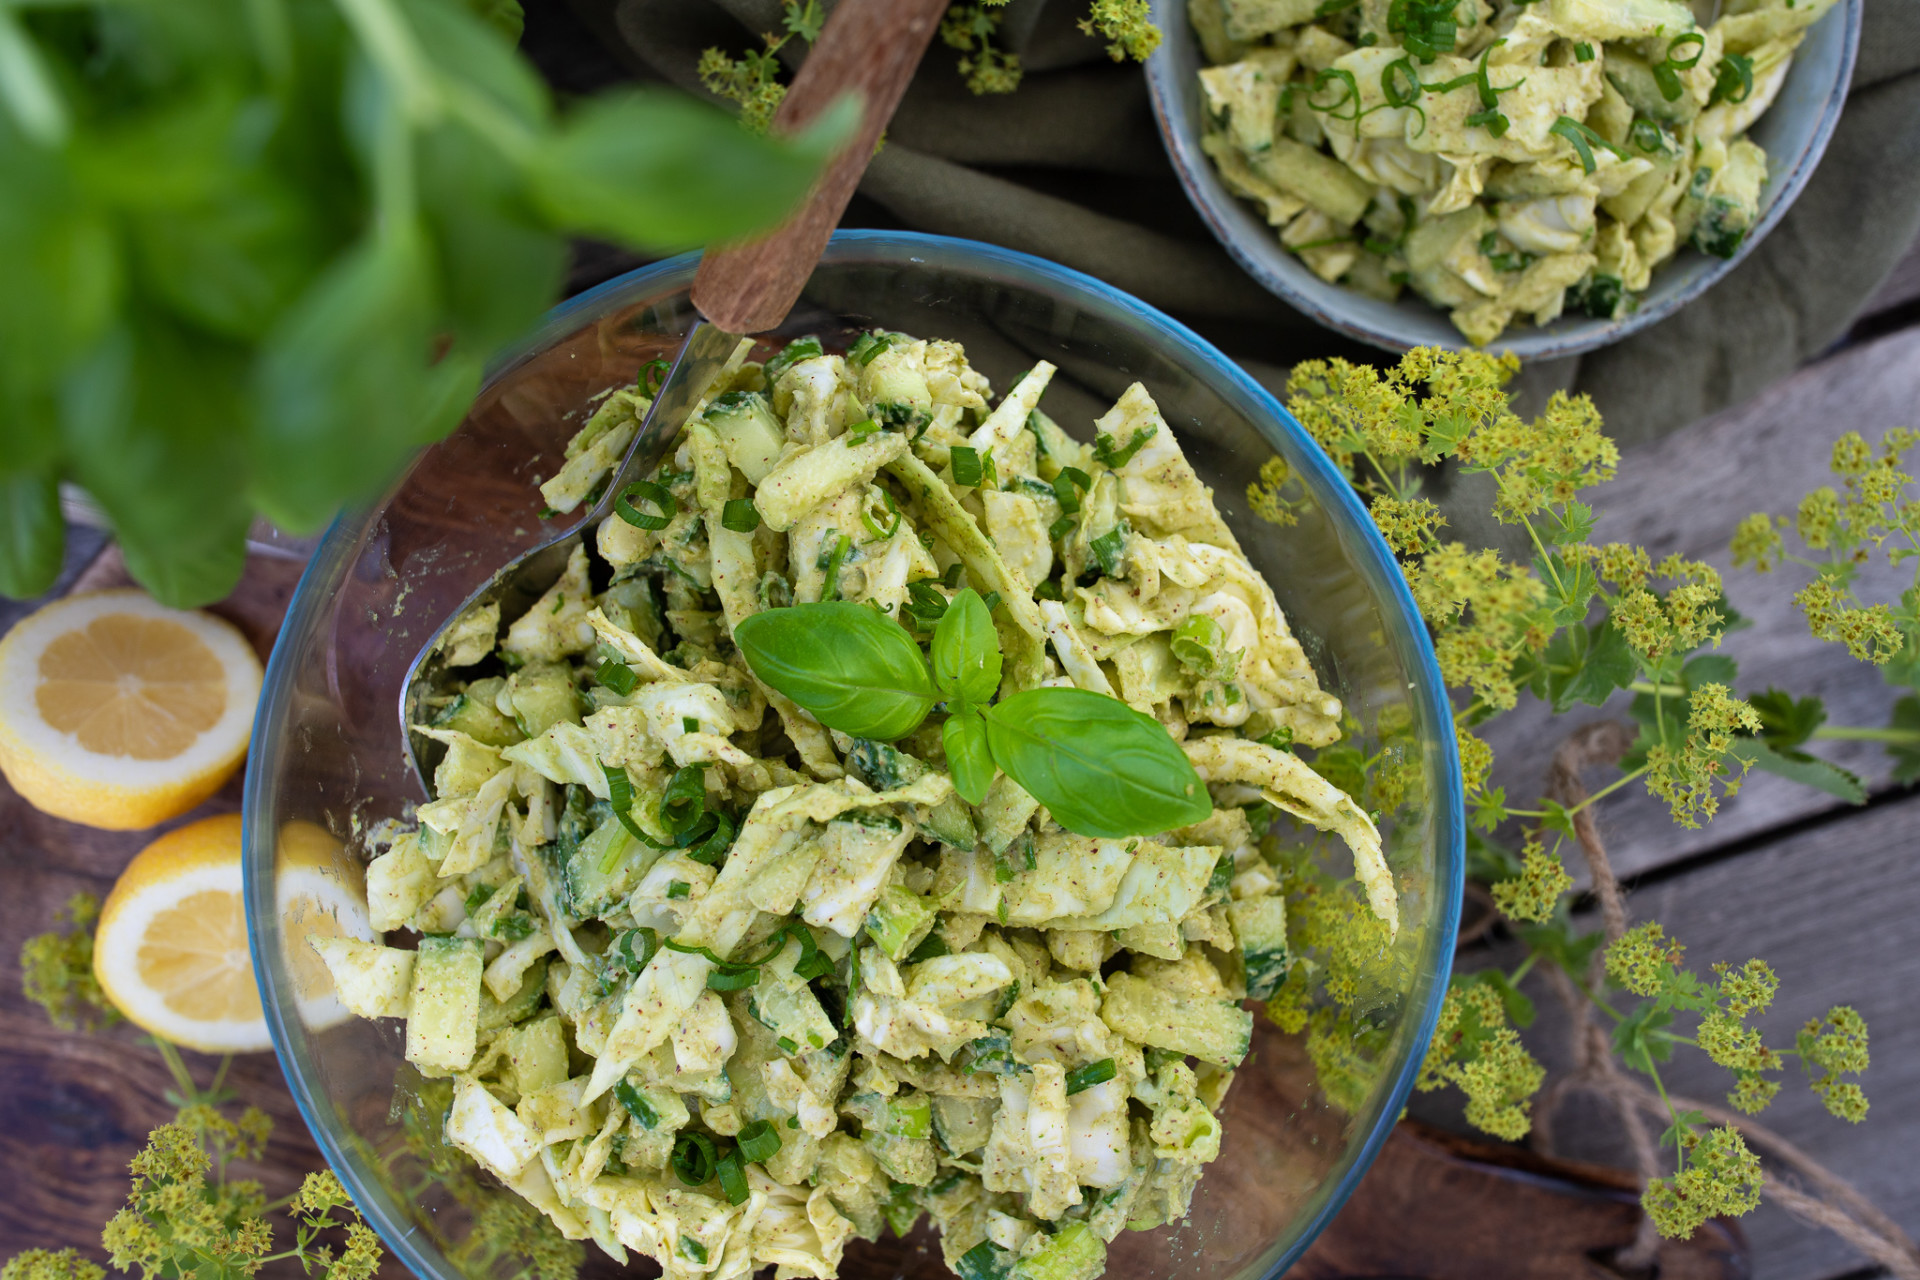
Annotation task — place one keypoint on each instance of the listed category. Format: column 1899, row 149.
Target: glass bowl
column 1794, row 133
column 329, row 763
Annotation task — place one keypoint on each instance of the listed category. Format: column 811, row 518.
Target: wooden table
column 1824, row 891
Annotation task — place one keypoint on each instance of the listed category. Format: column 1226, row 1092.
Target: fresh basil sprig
column 256, row 254
column 1100, row 767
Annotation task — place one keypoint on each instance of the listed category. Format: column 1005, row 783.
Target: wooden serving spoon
column 869, row 48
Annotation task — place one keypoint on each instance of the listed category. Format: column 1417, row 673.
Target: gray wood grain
column 1686, row 493
column 1836, row 911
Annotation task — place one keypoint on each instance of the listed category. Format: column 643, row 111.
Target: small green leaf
column 852, row 667
column 1906, row 755
column 1681, row 1128
column 1100, row 767
column 1557, row 941
column 969, row 759
column 966, row 652
column 1798, row 766
column 1637, row 1038
column 1488, row 862
column 32, row 534
column 1558, row 817
column 1786, row 721
column 660, row 170
column 1573, row 523
column 1709, row 668
column 1519, row 1005
column 1586, row 666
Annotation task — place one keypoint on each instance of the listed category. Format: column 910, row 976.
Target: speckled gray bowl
column 1794, row 133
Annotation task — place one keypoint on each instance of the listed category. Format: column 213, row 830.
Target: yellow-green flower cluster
column 1474, row 1048
column 56, row 969
column 1533, row 894
column 1643, row 958
column 1684, row 773
column 1127, row 26
column 1836, row 1045
column 49, row 1264
column 1720, row 1176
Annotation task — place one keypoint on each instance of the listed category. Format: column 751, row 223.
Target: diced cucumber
column 1074, row 1253
column 963, row 1125
column 542, row 695
column 602, row 869
column 1212, row 1030
column 494, row 1014
column 443, row 1011
column 898, row 920
column 1260, row 927
column 1633, row 77
column 902, row 1209
column 476, row 714
column 951, row 822
column 634, row 603
column 538, row 1052
column 750, row 433
column 793, row 1014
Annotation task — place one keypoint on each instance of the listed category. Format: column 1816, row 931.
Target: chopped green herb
column 646, row 491
column 1080, row 1079
column 740, row 515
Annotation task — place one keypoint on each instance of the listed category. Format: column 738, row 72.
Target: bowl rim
column 1210, row 198
column 1352, row 526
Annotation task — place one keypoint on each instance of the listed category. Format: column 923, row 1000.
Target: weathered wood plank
column 1835, row 910
column 1685, row 494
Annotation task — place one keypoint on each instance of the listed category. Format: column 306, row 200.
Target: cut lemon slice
column 321, row 890
column 118, row 712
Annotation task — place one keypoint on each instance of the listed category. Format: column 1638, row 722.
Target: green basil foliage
column 256, row 252
column 1100, row 767
column 853, row 668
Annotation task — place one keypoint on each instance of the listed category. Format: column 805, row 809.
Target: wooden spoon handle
column 869, row 47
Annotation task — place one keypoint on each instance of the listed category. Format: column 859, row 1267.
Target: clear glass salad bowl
column 328, row 761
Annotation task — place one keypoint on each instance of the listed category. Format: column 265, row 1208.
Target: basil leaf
column 966, row 651
column 853, row 668
column 969, row 759
column 1100, row 767
column 33, row 534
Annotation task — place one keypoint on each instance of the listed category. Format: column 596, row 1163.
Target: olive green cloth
column 1070, row 167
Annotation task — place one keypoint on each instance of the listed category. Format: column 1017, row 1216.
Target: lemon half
column 118, row 712
column 171, row 949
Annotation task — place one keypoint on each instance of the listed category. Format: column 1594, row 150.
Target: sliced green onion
column 740, row 515
column 867, row 346
column 793, row 353
column 646, row 491
column 830, row 589
column 693, row 1158
column 1407, row 90
column 1048, row 590
column 712, row 848
column 966, row 466
column 788, row 1044
column 863, row 428
column 1493, row 120
column 1060, row 528
column 678, row 888
column 1069, row 485
column 873, row 526
column 1107, row 549
column 617, row 676
column 1350, row 94
column 1107, row 454
column 685, row 799
column 1583, row 52
column 636, row 1104
column 733, row 1178
column 1584, row 140
column 1648, row 137
column 1081, row 1079
column 1732, row 79
column 652, row 374
column 759, row 1142
column 954, row 576
column 620, row 800
column 695, row 1251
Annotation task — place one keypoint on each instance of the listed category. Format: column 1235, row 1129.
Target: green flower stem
column 1610, row 788
column 26, row 87
column 1850, row 733
column 1526, row 966
column 390, row 42
column 1658, row 690
column 1673, row 1116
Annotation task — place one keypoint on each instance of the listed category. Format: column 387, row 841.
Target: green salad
column 1503, row 160
column 876, row 841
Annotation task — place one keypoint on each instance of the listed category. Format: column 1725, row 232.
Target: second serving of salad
column 1505, row 160
column 859, row 831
